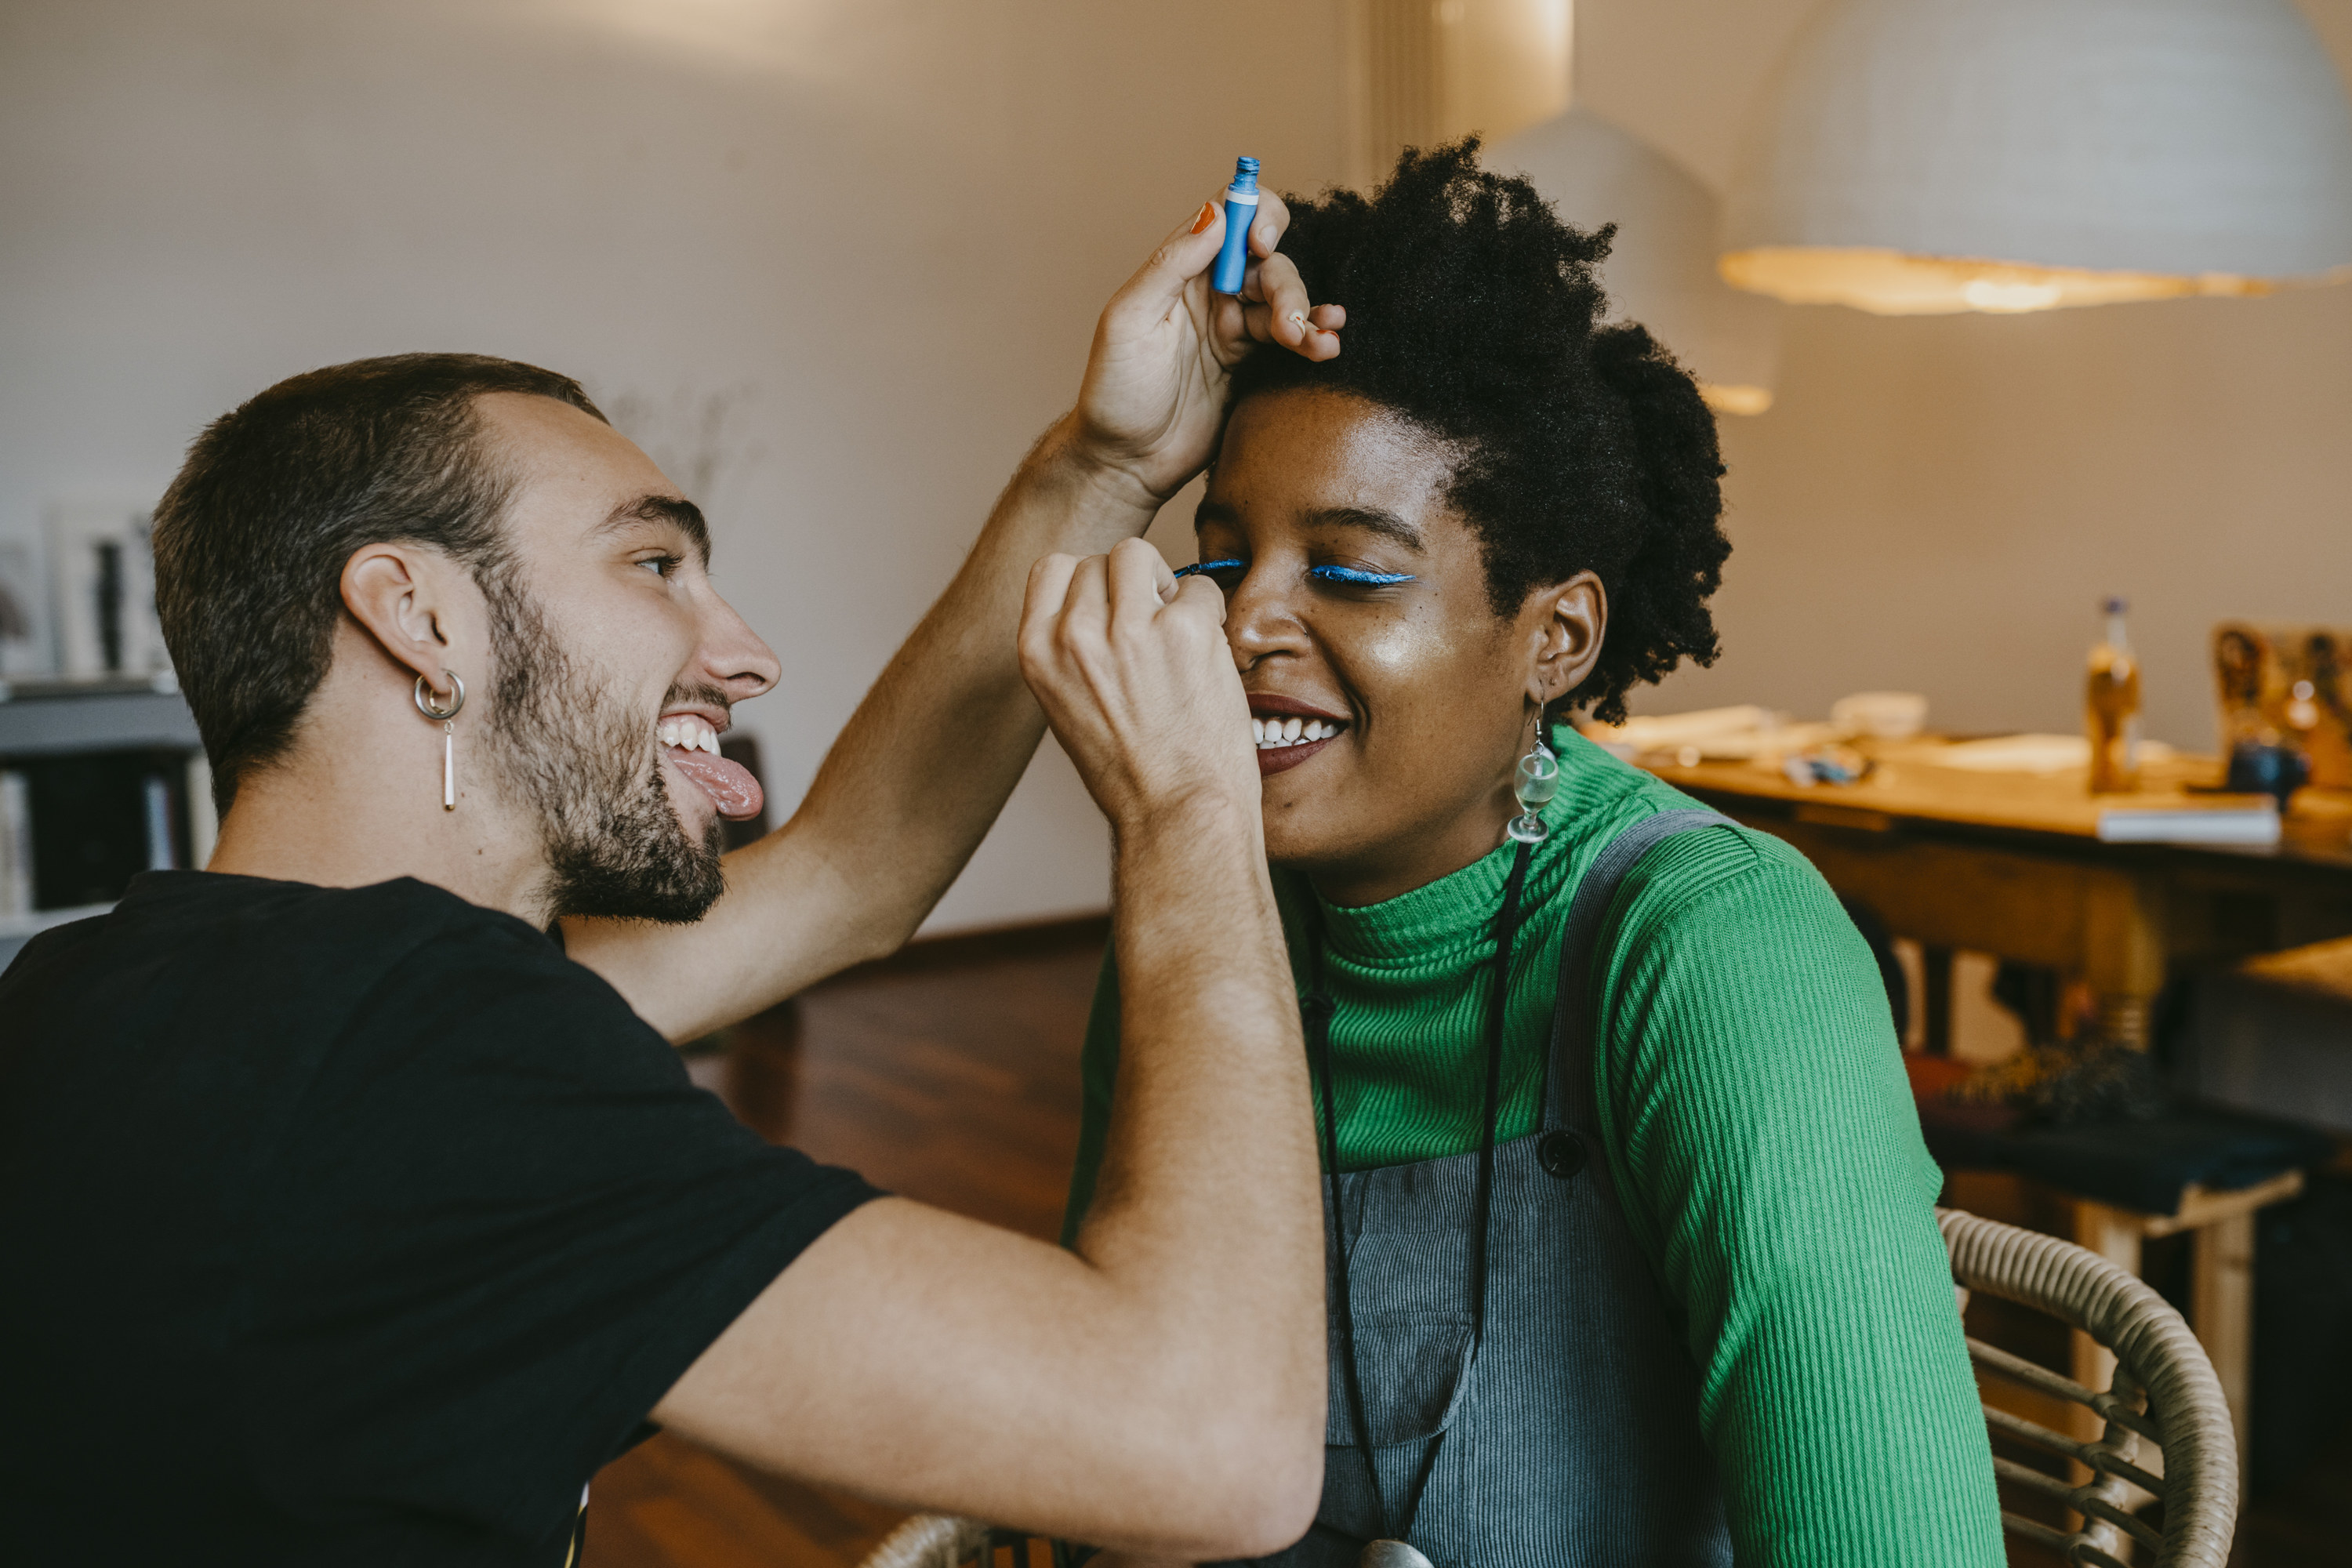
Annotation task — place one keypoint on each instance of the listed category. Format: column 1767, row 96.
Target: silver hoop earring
column 428, row 703
column 1536, row 781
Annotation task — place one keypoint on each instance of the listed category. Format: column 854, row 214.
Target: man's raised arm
column 885, row 829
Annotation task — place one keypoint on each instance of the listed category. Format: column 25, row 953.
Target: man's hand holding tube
column 1154, row 395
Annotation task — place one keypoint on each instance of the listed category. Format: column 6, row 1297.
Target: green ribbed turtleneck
column 1760, row 1127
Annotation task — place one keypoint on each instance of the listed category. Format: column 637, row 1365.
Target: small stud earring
column 429, row 703
column 1536, row 782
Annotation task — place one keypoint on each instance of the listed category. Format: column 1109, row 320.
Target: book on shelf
column 15, row 846
column 2229, row 820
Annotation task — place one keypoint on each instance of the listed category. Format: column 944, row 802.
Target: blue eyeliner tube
column 1241, row 211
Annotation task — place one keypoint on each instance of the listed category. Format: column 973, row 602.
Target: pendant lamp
column 1928, row 156
column 1660, row 267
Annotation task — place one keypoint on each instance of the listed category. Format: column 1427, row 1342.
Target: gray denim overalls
column 1564, row 1434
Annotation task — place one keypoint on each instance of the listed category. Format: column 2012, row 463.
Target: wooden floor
column 951, row 1075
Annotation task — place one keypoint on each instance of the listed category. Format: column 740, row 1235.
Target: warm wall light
column 1915, row 157
column 1735, row 399
column 1426, row 72
column 1889, row 283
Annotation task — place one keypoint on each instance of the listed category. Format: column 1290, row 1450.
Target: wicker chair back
column 2167, row 1433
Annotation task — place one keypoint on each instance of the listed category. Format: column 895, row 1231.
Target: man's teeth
column 1294, row 732
column 689, row 732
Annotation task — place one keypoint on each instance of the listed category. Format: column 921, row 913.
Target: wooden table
column 2012, row 865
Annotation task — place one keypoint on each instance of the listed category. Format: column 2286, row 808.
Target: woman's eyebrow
column 1387, row 525
column 1371, row 520
column 1214, row 511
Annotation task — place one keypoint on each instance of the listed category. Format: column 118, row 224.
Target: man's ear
column 400, row 596
column 1570, row 619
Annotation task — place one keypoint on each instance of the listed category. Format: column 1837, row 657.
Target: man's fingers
column 1287, row 318
column 1198, row 595
column 1184, row 255
column 1040, row 607
column 1139, row 580
column 1273, row 219
column 1049, row 585
column 1322, row 342
column 1086, row 612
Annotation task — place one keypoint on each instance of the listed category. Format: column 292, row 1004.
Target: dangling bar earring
column 428, row 703
column 1536, row 782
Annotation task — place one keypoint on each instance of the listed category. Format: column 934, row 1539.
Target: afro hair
column 1474, row 311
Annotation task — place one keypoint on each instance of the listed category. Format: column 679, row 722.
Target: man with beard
column 349, row 1219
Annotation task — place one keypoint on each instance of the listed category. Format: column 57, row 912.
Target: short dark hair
column 274, row 497
column 1472, row 312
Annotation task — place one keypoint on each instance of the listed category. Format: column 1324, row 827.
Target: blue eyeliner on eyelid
column 1354, row 578
column 1346, row 575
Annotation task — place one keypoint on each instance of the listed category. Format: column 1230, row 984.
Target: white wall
column 835, row 262
column 1939, row 503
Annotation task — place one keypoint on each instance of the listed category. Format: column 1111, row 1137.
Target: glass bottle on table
column 2111, row 710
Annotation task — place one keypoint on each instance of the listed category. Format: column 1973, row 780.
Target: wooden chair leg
column 2115, row 1234
column 1936, row 1006
column 2221, row 1311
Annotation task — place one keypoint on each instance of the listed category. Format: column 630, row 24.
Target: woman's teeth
column 1271, row 733
column 689, row 732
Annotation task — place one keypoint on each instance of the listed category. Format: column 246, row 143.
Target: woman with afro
column 1633, row 1251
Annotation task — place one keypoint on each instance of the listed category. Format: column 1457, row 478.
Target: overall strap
column 1566, row 1073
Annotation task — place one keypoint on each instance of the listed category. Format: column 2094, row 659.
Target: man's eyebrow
column 675, row 510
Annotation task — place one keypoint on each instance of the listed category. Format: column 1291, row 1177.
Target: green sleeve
column 1098, row 1068
column 1761, row 1130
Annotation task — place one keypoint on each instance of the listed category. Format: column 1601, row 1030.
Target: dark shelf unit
column 87, row 748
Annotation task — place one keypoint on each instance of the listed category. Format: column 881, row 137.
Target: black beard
column 615, row 846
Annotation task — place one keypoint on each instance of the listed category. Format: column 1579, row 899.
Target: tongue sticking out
column 730, row 784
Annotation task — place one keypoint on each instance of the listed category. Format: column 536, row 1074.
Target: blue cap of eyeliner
column 1241, row 211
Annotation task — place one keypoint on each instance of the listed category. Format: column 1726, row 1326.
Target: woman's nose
column 1260, row 620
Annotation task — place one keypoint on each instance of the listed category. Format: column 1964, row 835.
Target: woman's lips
column 1271, row 710
column 1274, row 760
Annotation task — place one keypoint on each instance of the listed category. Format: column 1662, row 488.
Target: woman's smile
column 1288, row 732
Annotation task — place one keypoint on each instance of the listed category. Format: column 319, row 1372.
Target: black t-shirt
column 347, row 1225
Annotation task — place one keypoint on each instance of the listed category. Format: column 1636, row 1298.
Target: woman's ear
column 1569, row 621
column 397, row 594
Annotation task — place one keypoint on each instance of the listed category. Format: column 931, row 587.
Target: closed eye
column 1355, row 579
column 1212, row 569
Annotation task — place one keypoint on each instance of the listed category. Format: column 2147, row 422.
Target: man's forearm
column 1209, row 1026
column 906, row 791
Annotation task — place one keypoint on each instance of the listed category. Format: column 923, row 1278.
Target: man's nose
column 732, row 656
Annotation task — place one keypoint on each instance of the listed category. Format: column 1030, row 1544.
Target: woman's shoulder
column 1720, row 882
